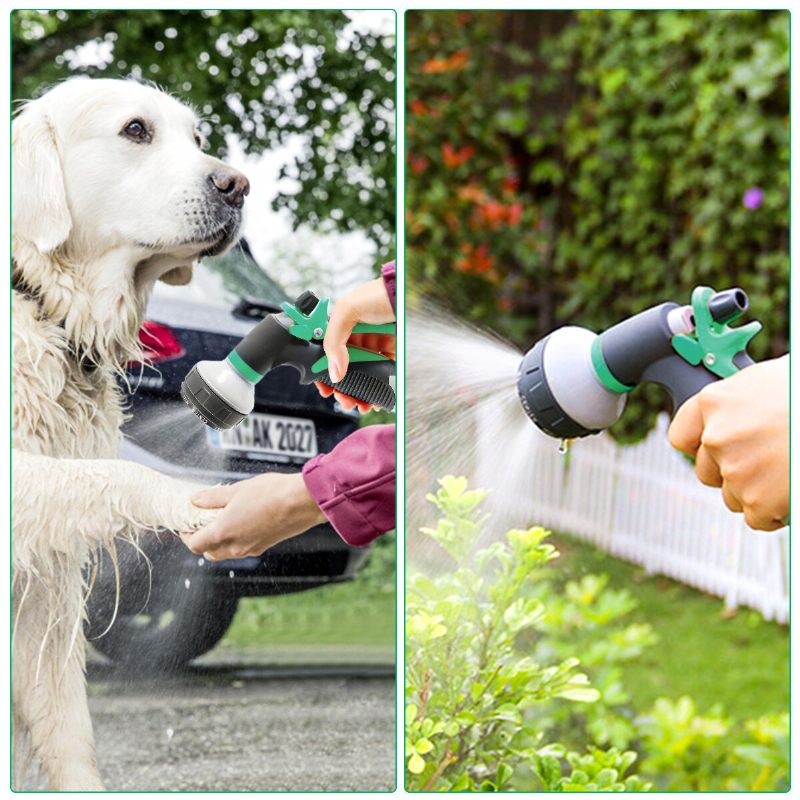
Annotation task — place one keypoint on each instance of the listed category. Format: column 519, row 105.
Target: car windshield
column 225, row 280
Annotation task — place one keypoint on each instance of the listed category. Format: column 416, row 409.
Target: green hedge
column 576, row 167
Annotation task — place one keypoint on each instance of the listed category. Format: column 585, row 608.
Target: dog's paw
column 167, row 505
column 200, row 517
column 183, row 517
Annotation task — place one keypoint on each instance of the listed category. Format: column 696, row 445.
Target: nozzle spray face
column 559, row 388
column 218, row 394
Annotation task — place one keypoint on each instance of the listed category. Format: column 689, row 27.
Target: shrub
column 688, row 751
column 468, row 687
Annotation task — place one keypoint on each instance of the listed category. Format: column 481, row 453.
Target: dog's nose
column 231, row 184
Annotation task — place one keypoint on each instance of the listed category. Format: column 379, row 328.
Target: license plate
column 269, row 434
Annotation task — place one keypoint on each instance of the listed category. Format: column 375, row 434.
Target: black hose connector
column 726, row 306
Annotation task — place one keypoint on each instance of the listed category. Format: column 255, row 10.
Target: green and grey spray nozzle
column 574, row 382
column 222, row 393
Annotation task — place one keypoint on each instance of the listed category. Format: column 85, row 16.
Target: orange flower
column 514, row 213
column 482, row 262
column 418, row 164
column 419, row 108
column 455, row 158
column 493, row 212
column 510, row 184
column 475, row 261
column 472, row 192
column 436, row 66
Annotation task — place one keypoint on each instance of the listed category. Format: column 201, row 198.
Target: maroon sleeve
column 388, row 275
column 354, row 484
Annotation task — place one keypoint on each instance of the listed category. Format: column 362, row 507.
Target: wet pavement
column 237, row 723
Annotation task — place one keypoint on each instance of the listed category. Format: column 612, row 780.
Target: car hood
column 198, row 316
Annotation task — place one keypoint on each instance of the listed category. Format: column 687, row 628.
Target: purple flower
column 753, row 198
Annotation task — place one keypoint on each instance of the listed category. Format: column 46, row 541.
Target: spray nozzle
column 573, row 382
column 222, row 393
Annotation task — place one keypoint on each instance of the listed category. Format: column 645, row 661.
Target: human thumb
column 214, row 497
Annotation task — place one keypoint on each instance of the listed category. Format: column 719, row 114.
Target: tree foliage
column 269, row 77
column 577, row 167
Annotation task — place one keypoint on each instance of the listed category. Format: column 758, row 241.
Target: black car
column 169, row 605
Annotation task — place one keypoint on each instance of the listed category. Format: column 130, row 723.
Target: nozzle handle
column 263, row 348
column 681, row 380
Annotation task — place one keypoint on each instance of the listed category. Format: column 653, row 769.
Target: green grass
column 340, row 614
column 358, row 613
column 739, row 661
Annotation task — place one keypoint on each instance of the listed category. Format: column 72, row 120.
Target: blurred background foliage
column 265, row 76
column 577, row 167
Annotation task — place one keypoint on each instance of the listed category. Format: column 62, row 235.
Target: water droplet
column 170, row 733
column 231, row 574
column 200, row 562
column 187, row 583
column 563, row 448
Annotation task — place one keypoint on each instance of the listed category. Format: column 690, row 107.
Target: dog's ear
column 179, row 276
column 39, row 210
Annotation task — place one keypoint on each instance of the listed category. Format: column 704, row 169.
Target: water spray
column 222, row 393
column 574, row 382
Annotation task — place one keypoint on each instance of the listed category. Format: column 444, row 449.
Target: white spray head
column 559, row 387
column 218, row 394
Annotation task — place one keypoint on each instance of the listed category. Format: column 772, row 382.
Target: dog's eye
column 136, row 131
column 198, row 140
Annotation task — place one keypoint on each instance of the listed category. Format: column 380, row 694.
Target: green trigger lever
column 310, row 324
column 356, row 353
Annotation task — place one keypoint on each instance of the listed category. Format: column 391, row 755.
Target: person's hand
column 366, row 303
column 738, row 431
column 256, row 514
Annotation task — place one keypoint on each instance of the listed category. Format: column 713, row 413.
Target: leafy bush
column 495, row 700
column 576, row 167
column 589, row 618
column 693, row 752
column 468, row 688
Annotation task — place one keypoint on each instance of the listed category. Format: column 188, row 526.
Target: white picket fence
column 644, row 504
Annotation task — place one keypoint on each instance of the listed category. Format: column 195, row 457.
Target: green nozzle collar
column 604, row 373
column 243, row 368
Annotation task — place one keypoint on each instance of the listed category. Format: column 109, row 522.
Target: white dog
column 111, row 192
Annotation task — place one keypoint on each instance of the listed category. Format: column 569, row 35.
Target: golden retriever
column 111, row 191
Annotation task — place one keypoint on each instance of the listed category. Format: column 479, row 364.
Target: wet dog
column 112, row 191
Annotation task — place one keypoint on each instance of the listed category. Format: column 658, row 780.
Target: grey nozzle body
column 269, row 340
column 631, row 346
